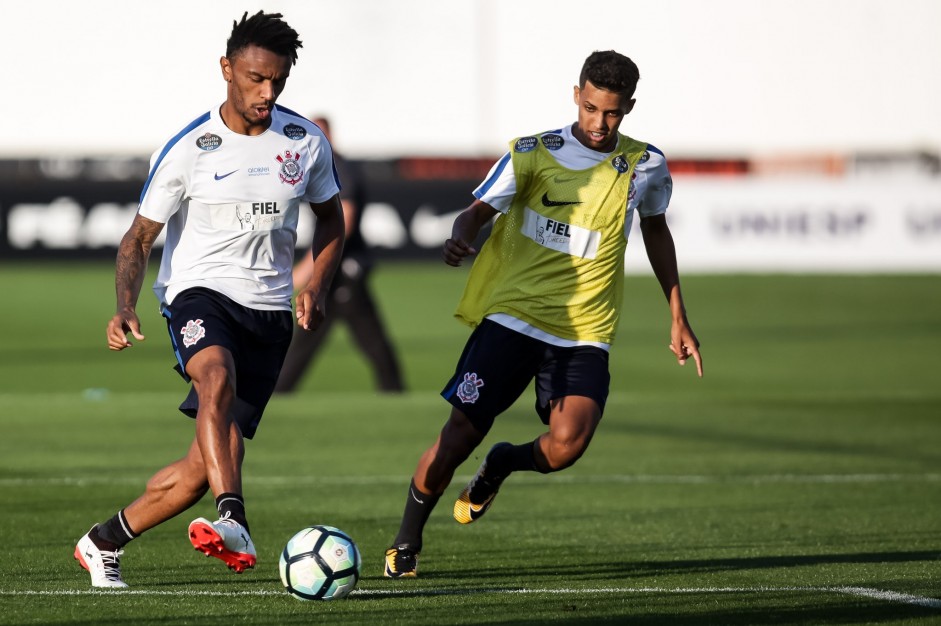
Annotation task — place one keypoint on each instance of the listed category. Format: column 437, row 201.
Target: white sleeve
column 164, row 188
column 653, row 185
column 499, row 187
column 324, row 181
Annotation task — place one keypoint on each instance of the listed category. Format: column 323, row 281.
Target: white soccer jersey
column 231, row 203
column 653, row 185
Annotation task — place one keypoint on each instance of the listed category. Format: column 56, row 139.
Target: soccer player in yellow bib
column 544, row 295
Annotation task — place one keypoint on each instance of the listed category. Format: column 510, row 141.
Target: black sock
column 113, row 534
column 418, row 506
column 506, row 459
column 232, row 505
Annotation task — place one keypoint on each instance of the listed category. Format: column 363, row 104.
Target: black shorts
column 498, row 364
column 258, row 341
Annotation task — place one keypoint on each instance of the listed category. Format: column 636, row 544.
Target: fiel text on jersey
column 265, row 208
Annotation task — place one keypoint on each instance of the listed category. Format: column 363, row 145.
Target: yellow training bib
column 556, row 258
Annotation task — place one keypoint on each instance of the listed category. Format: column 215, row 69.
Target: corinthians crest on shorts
column 467, row 391
column 192, row 332
column 291, row 172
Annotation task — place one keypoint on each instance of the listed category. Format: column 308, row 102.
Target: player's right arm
column 130, row 268
column 466, row 227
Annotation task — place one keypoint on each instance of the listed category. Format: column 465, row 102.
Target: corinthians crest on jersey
column 291, row 172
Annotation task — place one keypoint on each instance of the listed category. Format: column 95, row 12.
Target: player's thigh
column 494, row 369
column 203, row 333
column 263, row 343
column 212, row 370
column 573, row 419
column 459, row 433
column 578, row 372
column 256, row 342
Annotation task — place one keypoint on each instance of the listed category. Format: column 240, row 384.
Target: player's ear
column 577, row 90
column 226, row 69
column 630, row 106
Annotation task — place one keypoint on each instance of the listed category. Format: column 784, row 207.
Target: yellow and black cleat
column 401, row 562
column 478, row 495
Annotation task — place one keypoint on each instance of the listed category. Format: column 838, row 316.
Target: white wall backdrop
column 460, row 77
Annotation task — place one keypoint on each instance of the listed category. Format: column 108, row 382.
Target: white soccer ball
column 320, row 563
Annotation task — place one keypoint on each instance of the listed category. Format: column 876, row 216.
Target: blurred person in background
column 350, row 300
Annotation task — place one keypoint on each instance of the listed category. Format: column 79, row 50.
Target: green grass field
column 799, row 482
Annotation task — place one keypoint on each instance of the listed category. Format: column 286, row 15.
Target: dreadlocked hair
column 265, row 30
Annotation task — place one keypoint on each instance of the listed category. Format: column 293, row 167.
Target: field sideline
column 799, row 482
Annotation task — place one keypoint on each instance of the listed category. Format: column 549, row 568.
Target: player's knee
column 564, row 450
column 217, row 380
column 213, row 373
column 453, row 449
column 461, row 435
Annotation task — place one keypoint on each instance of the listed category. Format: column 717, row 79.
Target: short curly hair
column 610, row 71
column 265, row 30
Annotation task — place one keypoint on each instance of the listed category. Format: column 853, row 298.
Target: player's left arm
column 304, row 268
column 661, row 252
column 325, row 258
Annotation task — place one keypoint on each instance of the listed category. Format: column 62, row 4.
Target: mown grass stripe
column 876, row 594
column 667, row 479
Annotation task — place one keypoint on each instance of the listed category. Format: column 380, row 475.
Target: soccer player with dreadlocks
column 228, row 188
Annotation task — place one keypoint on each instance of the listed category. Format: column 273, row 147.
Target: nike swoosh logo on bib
column 547, row 202
column 218, row 177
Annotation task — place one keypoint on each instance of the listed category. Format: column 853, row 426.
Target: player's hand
column 121, row 324
column 685, row 346
column 311, row 309
column 455, row 250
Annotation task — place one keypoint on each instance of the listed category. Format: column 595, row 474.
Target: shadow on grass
column 772, row 442
column 645, row 569
column 797, row 606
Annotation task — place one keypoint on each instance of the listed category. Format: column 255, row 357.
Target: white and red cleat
column 224, row 539
column 104, row 566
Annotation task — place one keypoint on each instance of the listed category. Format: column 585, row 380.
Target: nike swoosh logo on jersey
column 547, row 202
column 217, row 177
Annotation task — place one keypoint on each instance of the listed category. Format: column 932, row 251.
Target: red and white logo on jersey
column 291, row 172
column 467, row 391
column 192, row 332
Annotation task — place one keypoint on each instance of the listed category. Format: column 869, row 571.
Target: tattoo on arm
column 131, row 262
